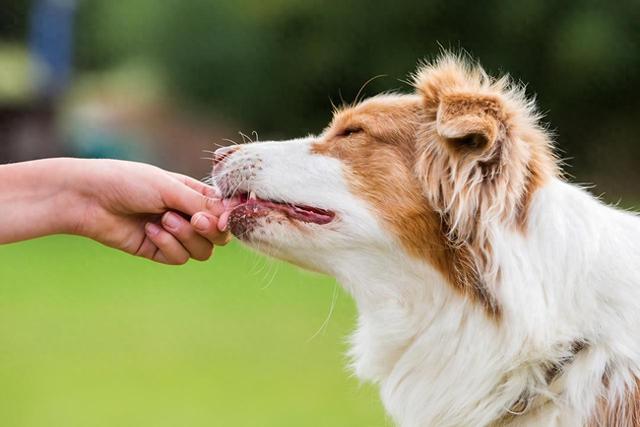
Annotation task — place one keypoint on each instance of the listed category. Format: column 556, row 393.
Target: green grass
column 91, row 337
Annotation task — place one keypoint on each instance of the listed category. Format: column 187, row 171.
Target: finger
column 207, row 226
column 229, row 205
column 185, row 199
column 170, row 251
column 223, row 221
column 198, row 247
column 199, row 186
column 147, row 249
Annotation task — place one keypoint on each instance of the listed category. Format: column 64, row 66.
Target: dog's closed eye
column 350, row 130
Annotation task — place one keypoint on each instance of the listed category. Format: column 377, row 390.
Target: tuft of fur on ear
column 469, row 122
column 482, row 154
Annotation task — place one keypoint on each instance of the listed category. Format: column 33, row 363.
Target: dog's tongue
column 299, row 212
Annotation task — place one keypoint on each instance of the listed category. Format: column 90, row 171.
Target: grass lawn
column 90, row 337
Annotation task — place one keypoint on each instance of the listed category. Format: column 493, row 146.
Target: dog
column 490, row 291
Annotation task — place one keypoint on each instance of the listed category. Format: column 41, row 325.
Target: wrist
column 74, row 200
column 39, row 198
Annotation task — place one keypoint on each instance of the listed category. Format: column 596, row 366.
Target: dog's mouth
column 251, row 207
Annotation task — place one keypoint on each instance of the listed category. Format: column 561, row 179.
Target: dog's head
column 424, row 174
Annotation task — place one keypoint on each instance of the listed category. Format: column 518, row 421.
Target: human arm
column 125, row 205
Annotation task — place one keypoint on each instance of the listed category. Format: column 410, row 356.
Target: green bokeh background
column 92, row 337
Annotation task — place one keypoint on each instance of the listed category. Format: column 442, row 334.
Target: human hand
column 138, row 208
column 144, row 210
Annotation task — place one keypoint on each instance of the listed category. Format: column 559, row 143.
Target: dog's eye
column 351, row 130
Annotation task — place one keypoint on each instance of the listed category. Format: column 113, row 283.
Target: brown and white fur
column 490, row 292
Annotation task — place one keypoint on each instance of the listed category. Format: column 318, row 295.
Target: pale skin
column 137, row 208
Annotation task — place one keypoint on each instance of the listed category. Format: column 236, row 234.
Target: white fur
column 438, row 358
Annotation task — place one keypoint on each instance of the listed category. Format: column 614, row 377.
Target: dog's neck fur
column 440, row 360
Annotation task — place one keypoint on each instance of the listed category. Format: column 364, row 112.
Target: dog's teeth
column 252, row 195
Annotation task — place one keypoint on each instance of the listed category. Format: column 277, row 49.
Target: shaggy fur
column 490, row 292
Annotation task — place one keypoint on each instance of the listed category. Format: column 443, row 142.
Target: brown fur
column 619, row 411
column 443, row 165
column 381, row 160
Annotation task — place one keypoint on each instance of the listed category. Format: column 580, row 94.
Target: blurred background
column 89, row 337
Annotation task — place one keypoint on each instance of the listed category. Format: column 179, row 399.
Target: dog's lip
column 254, row 206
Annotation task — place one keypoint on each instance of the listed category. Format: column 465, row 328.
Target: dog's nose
column 222, row 154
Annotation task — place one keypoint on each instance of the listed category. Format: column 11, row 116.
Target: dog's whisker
column 275, row 266
column 245, row 137
column 230, row 141
column 217, row 144
column 334, row 299
column 356, row 100
column 343, row 102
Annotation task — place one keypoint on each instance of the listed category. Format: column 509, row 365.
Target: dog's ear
column 482, row 152
column 481, row 156
column 469, row 122
column 466, row 105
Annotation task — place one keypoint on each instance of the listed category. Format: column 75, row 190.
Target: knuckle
column 164, row 239
column 209, row 203
column 174, row 224
column 182, row 234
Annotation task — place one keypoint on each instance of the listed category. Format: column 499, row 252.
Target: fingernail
column 151, row 229
column 171, row 221
column 201, row 222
